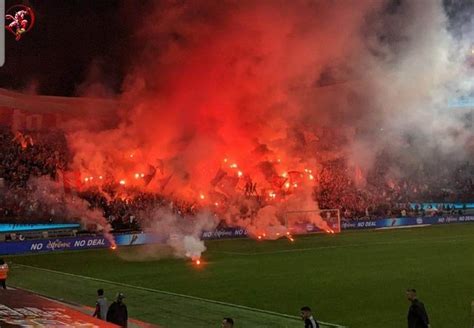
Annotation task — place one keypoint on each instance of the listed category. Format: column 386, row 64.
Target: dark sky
column 68, row 36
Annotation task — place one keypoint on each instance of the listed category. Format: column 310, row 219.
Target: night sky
column 70, row 36
column 67, row 38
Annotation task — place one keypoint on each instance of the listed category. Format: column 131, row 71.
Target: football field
column 354, row 279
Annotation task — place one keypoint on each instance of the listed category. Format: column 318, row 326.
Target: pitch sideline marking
column 436, row 241
column 158, row 291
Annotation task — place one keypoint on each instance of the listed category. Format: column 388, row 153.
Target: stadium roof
column 73, row 106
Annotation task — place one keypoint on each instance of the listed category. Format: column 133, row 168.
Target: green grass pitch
column 355, row 279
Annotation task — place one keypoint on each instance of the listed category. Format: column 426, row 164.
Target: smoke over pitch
column 249, row 85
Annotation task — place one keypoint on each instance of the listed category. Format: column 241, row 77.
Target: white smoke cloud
column 183, row 234
column 66, row 207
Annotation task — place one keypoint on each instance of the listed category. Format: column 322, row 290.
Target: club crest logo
column 19, row 19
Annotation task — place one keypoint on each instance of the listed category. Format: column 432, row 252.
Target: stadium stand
column 29, row 154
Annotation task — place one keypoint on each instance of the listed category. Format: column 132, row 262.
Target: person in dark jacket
column 417, row 316
column 117, row 312
column 307, row 316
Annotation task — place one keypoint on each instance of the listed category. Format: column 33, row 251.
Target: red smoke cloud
column 226, row 80
column 252, row 83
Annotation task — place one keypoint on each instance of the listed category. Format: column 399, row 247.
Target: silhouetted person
column 117, row 312
column 417, row 316
column 307, row 316
column 100, row 305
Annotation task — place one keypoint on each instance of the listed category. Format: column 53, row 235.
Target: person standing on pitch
column 3, row 273
column 307, row 316
column 417, row 316
column 100, row 305
column 117, row 312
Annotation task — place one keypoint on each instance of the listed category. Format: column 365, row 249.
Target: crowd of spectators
column 373, row 194
column 24, row 155
column 27, row 154
column 127, row 213
column 30, row 154
column 382, row 195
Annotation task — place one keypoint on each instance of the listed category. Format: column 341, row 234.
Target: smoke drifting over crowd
column 227, row 99
column 50, row 194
